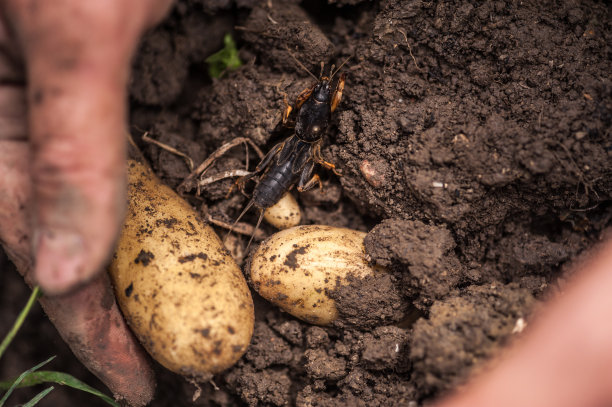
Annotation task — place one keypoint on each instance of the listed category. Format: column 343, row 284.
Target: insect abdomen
column 273, row 185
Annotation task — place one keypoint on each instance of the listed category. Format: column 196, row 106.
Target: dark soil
column 475, row 141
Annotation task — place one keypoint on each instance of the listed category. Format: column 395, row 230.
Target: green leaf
column 65, row 379
column 22, row 376
column 225, row 59
column 19, row 321
column 38, row 397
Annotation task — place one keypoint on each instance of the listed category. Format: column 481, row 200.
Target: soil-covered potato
column 285, row 213
column 298, row 268
column 181, row 292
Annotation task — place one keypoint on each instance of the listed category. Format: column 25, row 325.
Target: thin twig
column 214, row 385
column 273, row 21
column 410, row 50
column 590, row 208
column 222, row 175
column 576, row 170
column 188, row 160
column 240, row 227
column 579, row 173
column 188, row 183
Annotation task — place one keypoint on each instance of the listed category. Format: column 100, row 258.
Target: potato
column 298, row 267
column 285, row 213
column 182, row 294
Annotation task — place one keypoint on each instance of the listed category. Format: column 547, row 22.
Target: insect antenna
column 261, row 215
column 251, row 202
column 300, row 64
column 341, row 65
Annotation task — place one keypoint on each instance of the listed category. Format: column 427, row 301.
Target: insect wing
column 303, row 153
column 288, row 150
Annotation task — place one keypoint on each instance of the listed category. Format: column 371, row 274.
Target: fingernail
column 60, row 260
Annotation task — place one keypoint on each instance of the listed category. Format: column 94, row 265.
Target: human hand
column 565, row 358
column 64, row 67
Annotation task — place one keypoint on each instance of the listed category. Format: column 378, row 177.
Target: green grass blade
column 38, row 397
column 65, row 379
column 22, row 376
column 22, row 316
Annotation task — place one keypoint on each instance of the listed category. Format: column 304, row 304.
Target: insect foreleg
column 316, row 154
column 303, row 96
column 271, row 154
column 306, row 181
column 337, row 96
column 287, row 110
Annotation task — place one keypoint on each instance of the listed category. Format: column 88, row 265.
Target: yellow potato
column 182, row 294
column 285, row 213
column 296, row 268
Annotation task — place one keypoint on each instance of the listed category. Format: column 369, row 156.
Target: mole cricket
column 291, row 162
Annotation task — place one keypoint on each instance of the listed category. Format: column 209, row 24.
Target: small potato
column 182, row 294
column 298, row 267
column 285, row 213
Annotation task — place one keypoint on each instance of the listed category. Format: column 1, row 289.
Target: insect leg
column 316, row 154
column 271, row 154
column 305, row 175
column 306, row 181
column 240, row 183
column 287, row 110
column 303, row 97
column 338, row 93
column 310, row 184
column 189, row 182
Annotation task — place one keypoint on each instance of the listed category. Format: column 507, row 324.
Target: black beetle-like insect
column 292, row 161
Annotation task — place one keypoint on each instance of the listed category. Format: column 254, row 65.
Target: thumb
column 77, row 56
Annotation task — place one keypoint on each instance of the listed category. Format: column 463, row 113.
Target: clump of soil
column 425, row 251
column 369, row 301
column 475, row 323
column 474, row 142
